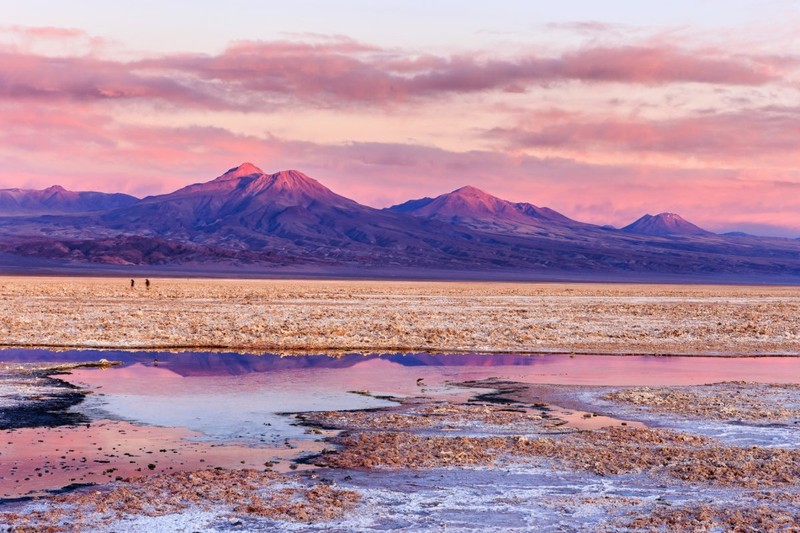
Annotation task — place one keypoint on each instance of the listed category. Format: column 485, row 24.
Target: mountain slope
column 57, row 200
column 665, row 224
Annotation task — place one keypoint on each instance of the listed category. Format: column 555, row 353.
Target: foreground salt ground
column 508, row 465
column 384, row 316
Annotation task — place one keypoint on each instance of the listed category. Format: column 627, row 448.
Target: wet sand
column 36, row 460
column 285, row 316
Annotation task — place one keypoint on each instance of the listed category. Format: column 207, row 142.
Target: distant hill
column 665, row 224
column 474, row 208
column 58, row 200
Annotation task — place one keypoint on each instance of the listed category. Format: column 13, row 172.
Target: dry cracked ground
column 378, row 316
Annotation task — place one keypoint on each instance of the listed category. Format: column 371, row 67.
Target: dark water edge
column 45, row 402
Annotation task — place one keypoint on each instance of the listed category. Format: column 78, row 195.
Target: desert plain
column 321, row 316
column 503, row 450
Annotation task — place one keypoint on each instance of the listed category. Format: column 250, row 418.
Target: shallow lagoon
column 228, row 396
column 225, row 409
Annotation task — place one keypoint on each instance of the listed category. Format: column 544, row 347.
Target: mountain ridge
column 246, row 218
column 475, row 208
column 56, row 200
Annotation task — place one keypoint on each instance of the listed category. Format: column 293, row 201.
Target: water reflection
column 232, row 364
column 556, row 369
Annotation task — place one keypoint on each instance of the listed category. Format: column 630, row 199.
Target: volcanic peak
column 467, row 202
column 472, row 206
column 245, row 169
column 664, row 224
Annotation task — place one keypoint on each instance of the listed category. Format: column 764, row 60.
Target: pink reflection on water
column 663, row 371
column 566, row 370
column 392, row 377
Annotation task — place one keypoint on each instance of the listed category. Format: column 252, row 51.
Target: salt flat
column 302, row 316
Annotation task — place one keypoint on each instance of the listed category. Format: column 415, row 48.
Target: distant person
column 147, row 284
column 133, row 284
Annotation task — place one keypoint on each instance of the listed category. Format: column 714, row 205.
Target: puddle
column 387, row 368
column 732, row 432
column 586, row 421
column 237, row 397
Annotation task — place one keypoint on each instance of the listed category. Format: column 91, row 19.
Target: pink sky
column 601, row 120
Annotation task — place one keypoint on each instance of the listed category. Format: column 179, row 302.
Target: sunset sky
column 603, row 111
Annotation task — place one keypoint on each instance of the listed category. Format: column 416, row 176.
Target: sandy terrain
column 379, row 316
column 693, row 457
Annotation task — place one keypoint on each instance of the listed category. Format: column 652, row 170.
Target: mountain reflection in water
column 612, row 370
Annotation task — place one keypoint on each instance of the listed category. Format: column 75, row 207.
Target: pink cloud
column 745, row 133
column 307, row 71
column 627, row 64
column 30, row 76
column 64, row 40
column 46, row 32
column 665, row 64
column 252, row 75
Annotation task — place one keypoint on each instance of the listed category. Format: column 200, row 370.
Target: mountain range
column 56, row 200
column 248, row 221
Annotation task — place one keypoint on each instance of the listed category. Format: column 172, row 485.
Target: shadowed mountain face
column 665, row 224
column 248, row 220
column 56, row 199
